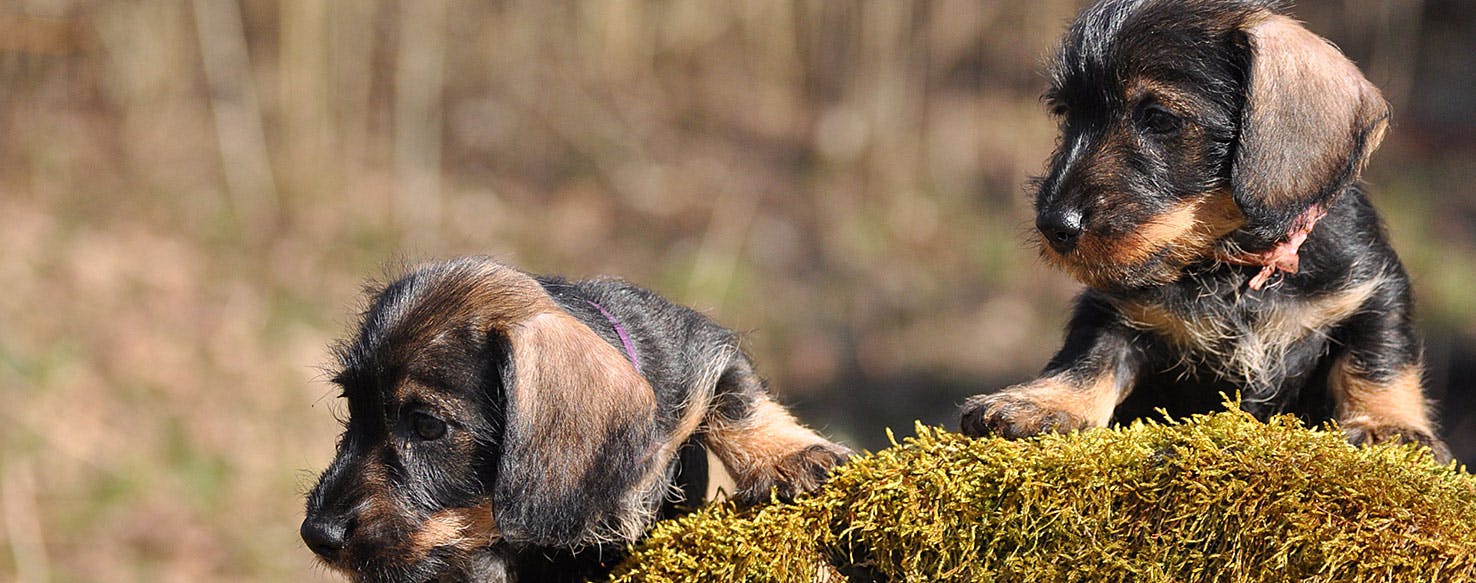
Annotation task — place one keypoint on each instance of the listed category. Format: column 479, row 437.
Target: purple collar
column 620, row 331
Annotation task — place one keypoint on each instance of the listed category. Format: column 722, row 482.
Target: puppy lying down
column 508, row 427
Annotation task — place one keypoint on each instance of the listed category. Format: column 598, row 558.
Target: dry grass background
column 192, row 192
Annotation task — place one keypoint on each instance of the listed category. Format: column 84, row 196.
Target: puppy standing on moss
column 506, row 427
column 1205, row 189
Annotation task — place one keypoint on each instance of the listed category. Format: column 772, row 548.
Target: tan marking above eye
column 1139, row 90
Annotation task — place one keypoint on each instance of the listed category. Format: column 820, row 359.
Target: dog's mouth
column 454, row 544
column 1155, row 252
column 1101, row 271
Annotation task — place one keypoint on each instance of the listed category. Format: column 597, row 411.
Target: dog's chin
column 483, row 567
column 1160, row 268
column 442, row 565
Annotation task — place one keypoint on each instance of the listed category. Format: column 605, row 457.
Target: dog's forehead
column 1094, row 34
column 438, row 313
column 1113, row 40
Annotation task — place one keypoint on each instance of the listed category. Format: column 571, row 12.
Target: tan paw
column 1012, row 415
column 1372, row 432
column 798, row 473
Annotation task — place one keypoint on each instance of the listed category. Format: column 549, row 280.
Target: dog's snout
column 1061, row 228
column 325, row 536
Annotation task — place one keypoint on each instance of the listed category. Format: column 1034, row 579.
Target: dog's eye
column 426, row 426
column 1155, row 119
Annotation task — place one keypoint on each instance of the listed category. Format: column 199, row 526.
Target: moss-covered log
column 1214, row 498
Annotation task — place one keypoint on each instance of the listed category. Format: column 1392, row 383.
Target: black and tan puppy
column 1205, row 189
column 506, row 427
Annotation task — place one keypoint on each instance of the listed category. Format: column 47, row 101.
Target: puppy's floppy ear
column 1309, row 122
column 580, row 429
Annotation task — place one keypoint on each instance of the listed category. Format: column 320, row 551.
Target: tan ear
column 1309, row 123
column 580, row 427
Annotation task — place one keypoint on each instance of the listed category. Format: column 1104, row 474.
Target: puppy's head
column 481, row 418
column 1190, row 124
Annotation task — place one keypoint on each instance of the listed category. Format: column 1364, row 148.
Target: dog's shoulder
column 674, row 345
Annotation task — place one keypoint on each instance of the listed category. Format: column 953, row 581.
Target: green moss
column 1214, row 498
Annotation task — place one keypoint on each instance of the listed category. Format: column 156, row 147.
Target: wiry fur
column 1202, row 141
column 548, row 451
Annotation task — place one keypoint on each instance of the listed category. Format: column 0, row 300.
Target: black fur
column 1118, row 168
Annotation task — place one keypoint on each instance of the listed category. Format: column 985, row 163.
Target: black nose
column 1061, row 228
column 324, row 537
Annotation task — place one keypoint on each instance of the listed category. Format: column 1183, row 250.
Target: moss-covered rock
column 1214, row 498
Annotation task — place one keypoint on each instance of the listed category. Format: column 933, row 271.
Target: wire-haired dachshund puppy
column 509, row 427
column 1205, row 189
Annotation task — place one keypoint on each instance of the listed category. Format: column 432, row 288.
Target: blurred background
column 192, row 193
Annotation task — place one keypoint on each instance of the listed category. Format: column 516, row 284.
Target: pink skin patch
column 1283, row 256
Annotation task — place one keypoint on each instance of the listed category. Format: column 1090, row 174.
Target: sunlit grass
column 1221, row 498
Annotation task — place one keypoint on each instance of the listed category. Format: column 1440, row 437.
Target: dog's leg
column 761, row 444
column 1376, row 386
column 1080, row 388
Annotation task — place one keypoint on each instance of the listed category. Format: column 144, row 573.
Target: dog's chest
column 1240, row 337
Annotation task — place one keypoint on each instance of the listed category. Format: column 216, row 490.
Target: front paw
column 1371, row 432
column 1012, row 415
column 800, row 472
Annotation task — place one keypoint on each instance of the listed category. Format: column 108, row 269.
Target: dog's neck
column 1224, row 274
column 1283, row 255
